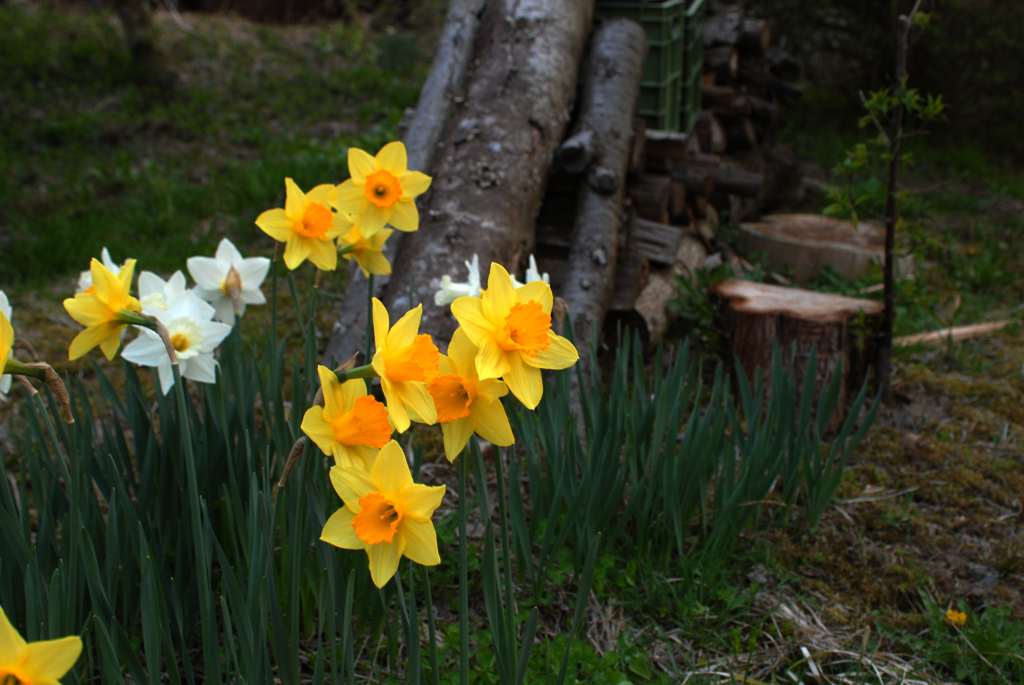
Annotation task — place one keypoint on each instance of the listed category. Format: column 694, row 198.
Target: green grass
column 91, row 156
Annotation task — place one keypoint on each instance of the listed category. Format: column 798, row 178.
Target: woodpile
column 615, row 212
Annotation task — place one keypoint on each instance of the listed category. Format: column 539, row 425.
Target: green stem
column 347, row 248
column 463, row 572
column 369, row 324
column 365, row 371
column 16, row 368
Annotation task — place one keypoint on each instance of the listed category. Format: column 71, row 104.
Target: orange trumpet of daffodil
column 104, row 309
column 465, row 403
column 307, row 226
column 36, row 663
column 366, row 250
column 6, row 341
column 382, row 190
column 350, row 425
column 405, row 362
column 512, row 328
column 385, row 513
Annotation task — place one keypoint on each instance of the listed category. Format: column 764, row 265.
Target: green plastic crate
column 664, row 22
column 664, row 63
column 690, row 101
column 660, row 105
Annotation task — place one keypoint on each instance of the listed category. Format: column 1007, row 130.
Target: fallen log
column 490, row 179
column 662, row 147
column 657, row 242
column 724, row 28
column 426, row 128
column 611, row 88
column 651, row 195
column 726, row 179
column 723, row 61
column 740, row 135
column 756, row 315
column 638, row 155
column 755, row 35
column 954, row 334
column 712, row 97
column 708, row 130
column 786, row 91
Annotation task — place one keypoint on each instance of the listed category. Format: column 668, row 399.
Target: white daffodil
column 85, row 278
column 450, row 291
column 193, row 333
column 534, row 274
column 227, row 280
column 6, row 379
column 155, row 292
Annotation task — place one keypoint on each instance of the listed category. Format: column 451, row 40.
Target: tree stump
column 841, row 329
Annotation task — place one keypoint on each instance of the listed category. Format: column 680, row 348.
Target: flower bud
column 233, row 286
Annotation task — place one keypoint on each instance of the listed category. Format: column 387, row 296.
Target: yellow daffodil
column 366, row 250
column 382, row 190
column 385, row 513
column 104, row 309
column 350, row 425
column 405, row 362
column 38, row 663
column 465, row 403
column 6, row 340
column 307, row 226
column 512, row 328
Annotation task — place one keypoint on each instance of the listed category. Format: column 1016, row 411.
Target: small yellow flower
column 385, row 513
column 38, row 663
column 465, row 403
column 104, row 309
column 382, row 190
column 367, row 250
column 6, row 341
column 307, row 226
column 956, row 618
column 512, row 328
column 350, row 425
column 405, row 362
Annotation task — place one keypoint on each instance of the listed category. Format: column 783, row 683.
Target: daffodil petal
column 366, row 456
column 492, row 361
column 456, row 435
column 318, row 430
column 491, row 389
column 397, row 412
column 275, row 223
column 360, row 163
column 352, row 486
column 12, row 645
column 413, row 183
column 349, row 198
column 296, row 251
column 420, row 542
column 418, row 400
column 372, row 218
column 381, row 324
column 468, row 311
column 373, row 262
column 391, row 470
column 384, row 558
column 492, row 422
column 323, row 254
column 91, row 337
column 404, row 332
column 561, row 354
column 323, row 194
column 420, row 501
column 539, row 291
column 87, row 309
column 338, row 530
column 462, row 354
column 393, row 158
column 499, row 297
column 524, row 381
column 108, row 287
column 405, row 216
column 295, row 199
column 50, row 660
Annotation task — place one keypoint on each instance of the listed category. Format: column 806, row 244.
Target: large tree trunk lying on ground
column 610, row 92
column 437, row 98
column 755, row 315
column 490, row 178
